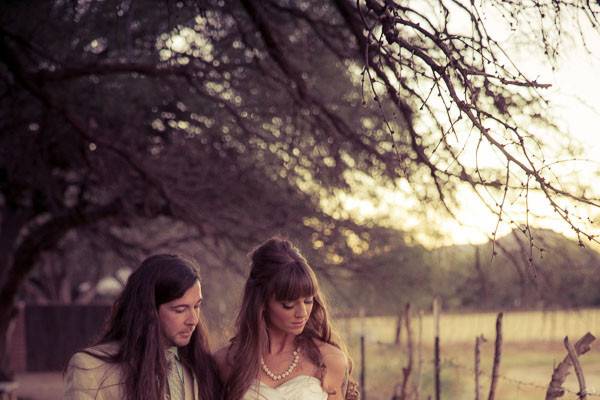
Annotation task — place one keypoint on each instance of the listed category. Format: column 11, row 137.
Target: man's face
column 179, row 317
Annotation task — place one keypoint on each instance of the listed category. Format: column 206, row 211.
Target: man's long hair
column 279, row 271
column 134, row 326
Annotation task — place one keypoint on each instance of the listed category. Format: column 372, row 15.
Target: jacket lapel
column 190, row 385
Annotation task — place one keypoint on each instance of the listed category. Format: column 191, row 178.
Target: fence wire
column 517, row 382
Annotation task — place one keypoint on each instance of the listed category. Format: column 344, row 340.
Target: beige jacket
column 88, row 377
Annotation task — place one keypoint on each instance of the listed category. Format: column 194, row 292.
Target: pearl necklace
column 284, row 374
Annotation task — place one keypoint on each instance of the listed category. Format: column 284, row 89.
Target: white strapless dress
column 301, row 387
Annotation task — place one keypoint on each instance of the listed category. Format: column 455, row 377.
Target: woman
column 155, row 346
column 284, row 346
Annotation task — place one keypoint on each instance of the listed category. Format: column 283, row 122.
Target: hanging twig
column 497, row 356
column 578, row 370
column 478, row 340
column 555, row 389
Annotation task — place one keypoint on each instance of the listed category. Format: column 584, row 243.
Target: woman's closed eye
column 288, row 305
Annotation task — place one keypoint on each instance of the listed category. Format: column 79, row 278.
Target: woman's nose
column 301, row 310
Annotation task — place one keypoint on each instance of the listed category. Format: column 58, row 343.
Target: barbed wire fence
column 448, row 362
column 409, row 387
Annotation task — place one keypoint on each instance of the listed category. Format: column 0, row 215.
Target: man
column 155, row 345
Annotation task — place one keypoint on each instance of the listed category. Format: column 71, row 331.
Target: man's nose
column 193, row 317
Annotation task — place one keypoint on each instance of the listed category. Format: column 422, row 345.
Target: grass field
column 532, row 346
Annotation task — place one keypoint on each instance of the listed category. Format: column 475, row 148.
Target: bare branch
column 578, row 370
column 555, row 389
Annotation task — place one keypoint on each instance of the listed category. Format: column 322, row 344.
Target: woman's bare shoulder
column 335, row 377
column 329, row 350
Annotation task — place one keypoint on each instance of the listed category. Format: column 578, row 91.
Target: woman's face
column 289, row 316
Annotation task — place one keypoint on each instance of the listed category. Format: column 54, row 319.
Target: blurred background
column 415, row 152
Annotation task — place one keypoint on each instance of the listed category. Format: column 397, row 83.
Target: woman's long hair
column 279, row 271
column 134, row 325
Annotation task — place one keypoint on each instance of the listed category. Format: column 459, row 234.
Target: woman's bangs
column 293, row 282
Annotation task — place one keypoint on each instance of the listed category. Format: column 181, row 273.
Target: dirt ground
column 40, row 386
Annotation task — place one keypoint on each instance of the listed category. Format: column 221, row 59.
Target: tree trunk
column 7, row 320
column 22, row 259
column 483, row 286
column 12, row 222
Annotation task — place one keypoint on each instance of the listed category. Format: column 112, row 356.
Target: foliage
column 467, row 277
column 219, row 123
column 559, row 274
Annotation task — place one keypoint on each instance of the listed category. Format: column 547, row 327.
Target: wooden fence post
column 420, row 357
column 406, row 371
column 397, row 339
column 497, row 357
column 478, row 340
column 363, row 389
column 436, row 350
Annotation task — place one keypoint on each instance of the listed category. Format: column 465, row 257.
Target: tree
column 477, row 99
column 241, row 119
column 563, row 276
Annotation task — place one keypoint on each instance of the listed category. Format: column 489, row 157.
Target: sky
column 573, row 105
